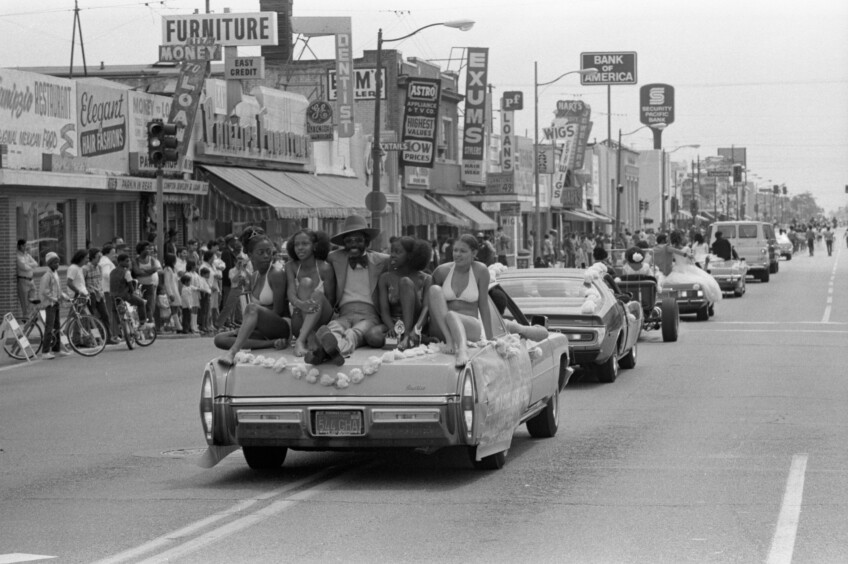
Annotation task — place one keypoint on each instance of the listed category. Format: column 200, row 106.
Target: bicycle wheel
column 145, row 336
column 33, row 333
column 87, row 335
column 127, row 331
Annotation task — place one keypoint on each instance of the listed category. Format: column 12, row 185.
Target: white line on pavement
column 21, row 557
column 176, row 536
column 783, row 543
column 826, row 316
column 790, row 331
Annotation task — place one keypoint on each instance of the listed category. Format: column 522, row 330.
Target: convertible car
column 270, row 402
column 602, row 324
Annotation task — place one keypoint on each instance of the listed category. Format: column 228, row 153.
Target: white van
column 753, row 241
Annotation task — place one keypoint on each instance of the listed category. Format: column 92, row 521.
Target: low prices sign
column 656, row 104
column 420, row 122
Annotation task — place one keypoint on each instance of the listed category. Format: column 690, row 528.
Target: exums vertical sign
column 474, row 136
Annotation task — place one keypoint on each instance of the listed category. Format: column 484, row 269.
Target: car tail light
column 467, row 401
column 206, row 400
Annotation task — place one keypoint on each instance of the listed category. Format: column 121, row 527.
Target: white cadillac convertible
column 270, row 402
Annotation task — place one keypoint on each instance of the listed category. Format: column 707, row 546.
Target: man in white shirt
column 26, row 287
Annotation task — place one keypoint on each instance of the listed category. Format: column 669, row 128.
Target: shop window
column 44, row 226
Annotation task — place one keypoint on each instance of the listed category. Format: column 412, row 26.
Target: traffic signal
column 737, row 173
column 776, row 189
column 784, row 190
column 162, row 142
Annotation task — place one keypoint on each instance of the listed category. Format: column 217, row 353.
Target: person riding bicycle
column 120, row 287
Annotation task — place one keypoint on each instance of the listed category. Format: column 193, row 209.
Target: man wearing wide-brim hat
column 357, row 270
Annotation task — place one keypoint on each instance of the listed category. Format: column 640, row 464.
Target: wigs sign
column 420, row 122
column 474, row 136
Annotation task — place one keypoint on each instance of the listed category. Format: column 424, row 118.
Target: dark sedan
column 602, row 327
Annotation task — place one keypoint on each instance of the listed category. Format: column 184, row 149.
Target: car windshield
column 571, row 290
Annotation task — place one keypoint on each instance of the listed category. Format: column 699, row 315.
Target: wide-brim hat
column 354, row 224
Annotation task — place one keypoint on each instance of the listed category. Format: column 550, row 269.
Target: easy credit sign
column 241, row 68
column 613, row 68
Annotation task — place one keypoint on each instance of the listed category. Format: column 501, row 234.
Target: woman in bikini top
column 310, row 301
column 264, row 320
column 463, row 316
column 401, row 288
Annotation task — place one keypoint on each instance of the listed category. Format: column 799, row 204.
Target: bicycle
column 130, row 328
column 84, row 333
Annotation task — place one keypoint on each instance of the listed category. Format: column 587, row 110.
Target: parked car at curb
column 602, row 338
column 271, row 402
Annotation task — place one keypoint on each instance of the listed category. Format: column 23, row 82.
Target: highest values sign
column 613, row 68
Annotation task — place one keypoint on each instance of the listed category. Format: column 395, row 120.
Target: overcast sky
column 770, row 75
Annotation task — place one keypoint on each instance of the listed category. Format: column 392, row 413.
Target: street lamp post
column 536, row 84
column 620, row 176
column 664, row 189
column 377, row 201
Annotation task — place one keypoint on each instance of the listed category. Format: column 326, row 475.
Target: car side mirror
column 539, row 320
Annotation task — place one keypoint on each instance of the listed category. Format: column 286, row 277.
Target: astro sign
column 420, row 122
column 229, row 30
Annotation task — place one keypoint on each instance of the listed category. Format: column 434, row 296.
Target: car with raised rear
column 270, row 401
column 602, row 325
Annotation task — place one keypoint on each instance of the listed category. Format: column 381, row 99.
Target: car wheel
column 264, row 458
column 492, row 462
column 702, row 314
column 608, row 371
column 711, row 310
column 546, row 423
column 765, row 275
column 629, row 360
column 670, row 320
column 788, row 256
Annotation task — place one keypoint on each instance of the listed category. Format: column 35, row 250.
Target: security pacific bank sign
column 228, row 30
column 613, row 68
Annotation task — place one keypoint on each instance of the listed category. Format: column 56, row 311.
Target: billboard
column 420, row 122
column 228, row 30
column 103, row 126
column 656, row 104
column 474, row 135
column 613, row 68
column 39, row 118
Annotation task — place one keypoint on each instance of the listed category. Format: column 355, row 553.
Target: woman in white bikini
column 310, row 302
column 458, row 300
column 265, row 318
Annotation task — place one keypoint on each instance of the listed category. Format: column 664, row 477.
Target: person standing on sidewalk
column 811, row 239
column 145, row 269
column 97, row 300
column 26, row 287
column 502, row 244
column 108, row 257
column 51, row 295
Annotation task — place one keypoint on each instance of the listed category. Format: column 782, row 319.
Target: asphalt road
column 727, row 446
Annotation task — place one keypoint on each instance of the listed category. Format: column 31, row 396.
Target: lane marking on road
column 5, row 368
column 783, row 543
column 21, row 557
column 826, row 316
column 249, row 520
column 814, row 331
column 714, row 322
column 169, row 539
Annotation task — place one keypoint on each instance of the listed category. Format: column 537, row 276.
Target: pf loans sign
column 613, row 68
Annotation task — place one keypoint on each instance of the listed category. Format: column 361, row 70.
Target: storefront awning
column 708, row 215
column 576, row 215
column 700, row 217
column 683, row 214
column 277, row 194
column 478, row 218
column 596, row 217
column 418, row 210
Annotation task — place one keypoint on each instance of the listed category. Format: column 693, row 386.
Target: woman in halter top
column 311, row 286
column 458, row 300
column 265, row 318
column 401, row 288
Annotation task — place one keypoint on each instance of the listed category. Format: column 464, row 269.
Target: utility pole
column 77, row 25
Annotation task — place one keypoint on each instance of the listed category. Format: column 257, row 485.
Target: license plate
column 338, row 423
